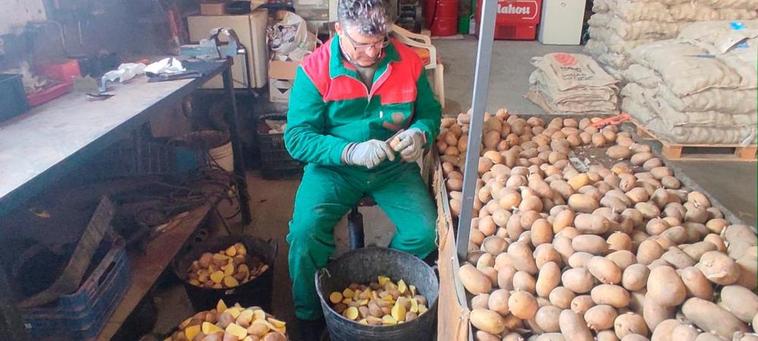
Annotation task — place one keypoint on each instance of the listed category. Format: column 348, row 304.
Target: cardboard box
column 281, row 76
column 282, row 70
column 213, row 8
column 279, row 90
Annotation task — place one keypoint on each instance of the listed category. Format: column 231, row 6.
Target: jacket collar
column 339, row 66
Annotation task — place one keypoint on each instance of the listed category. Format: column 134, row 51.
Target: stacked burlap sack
column 699, row 87
column 618, row 26
column 566, row 83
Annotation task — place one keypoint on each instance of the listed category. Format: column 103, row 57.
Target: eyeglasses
column 363, row 47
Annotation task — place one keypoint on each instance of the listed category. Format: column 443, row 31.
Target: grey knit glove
column 411, row 144
column 368, row 154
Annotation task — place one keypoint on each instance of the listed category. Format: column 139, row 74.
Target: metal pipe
column 478, row 105
column 239, row 158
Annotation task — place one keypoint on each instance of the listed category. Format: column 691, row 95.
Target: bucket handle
column 324, row 271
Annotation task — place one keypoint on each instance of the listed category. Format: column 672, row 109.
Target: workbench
column 50, row 141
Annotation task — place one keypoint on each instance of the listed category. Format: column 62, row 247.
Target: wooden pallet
column 684, row 151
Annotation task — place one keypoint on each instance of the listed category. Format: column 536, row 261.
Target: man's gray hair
column 368, row 16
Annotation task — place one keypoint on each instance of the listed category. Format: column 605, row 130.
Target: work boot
column 310, row 330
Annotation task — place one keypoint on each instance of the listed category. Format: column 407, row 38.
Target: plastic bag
column 289, row 39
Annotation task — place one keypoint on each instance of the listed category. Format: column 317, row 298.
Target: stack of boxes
column 281, row 75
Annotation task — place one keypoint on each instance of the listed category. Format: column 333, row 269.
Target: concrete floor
column 732, row 183
column 509, row 73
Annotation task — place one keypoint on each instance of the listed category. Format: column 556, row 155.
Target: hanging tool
column 213, row 47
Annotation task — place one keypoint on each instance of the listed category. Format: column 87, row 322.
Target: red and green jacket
column 330, row 106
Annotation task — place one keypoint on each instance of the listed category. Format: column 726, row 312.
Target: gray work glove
column 368, row 154
column 410, row 145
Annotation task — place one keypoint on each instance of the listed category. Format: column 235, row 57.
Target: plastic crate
column 82, row 314
column 134, row 156
column 276, row 162
column 50, row 93
column 12, row 96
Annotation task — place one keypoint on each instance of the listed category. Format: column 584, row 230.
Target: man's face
column 360, row 49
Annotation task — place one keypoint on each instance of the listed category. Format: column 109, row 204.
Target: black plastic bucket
column 256, row 292
column 363, row 266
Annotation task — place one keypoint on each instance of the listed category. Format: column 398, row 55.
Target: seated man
column 349, row 97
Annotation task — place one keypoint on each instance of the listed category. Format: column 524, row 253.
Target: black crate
column 276, row 162
column 135, row 156
column 12, row 96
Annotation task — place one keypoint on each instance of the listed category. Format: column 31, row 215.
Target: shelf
column 146, row 267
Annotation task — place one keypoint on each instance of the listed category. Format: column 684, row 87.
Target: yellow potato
column 245, row 317
column 351, row 313
column 335, row 297
column 401, row 286
column 388, row 320
column 399, row 311
column 210, row 328
column 276, row 323
column 237, row 331
column 234, row 311
column 230, row 282
column 220, row 307
column 258, row 328
column 220, row 259
column 228, row 269
column 487, row 320
column 192, row 331
column 274, row 337
column 383, row 280
column 231, row 251
column 348, row 293
column 205, row 259
column 241, row 249
column 259, row 315
column 217, row 277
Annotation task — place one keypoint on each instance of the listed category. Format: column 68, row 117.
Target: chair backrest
column 419, row 42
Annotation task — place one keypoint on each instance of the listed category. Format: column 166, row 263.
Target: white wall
column 14, row 14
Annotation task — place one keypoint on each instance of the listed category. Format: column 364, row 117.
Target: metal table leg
column 478, row 105
column 239, row 160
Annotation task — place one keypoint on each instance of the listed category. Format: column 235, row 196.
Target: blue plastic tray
column 82, row 314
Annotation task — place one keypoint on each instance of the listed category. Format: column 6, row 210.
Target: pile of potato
column 380, row 303
column 564, row 250
column 231, row 324
column 226, row 268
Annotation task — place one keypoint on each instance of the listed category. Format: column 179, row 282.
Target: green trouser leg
column 324, row 196
column 403, row 196
column 327, row 194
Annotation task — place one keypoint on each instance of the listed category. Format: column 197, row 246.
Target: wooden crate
column 685, row 152
column 453, row 310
